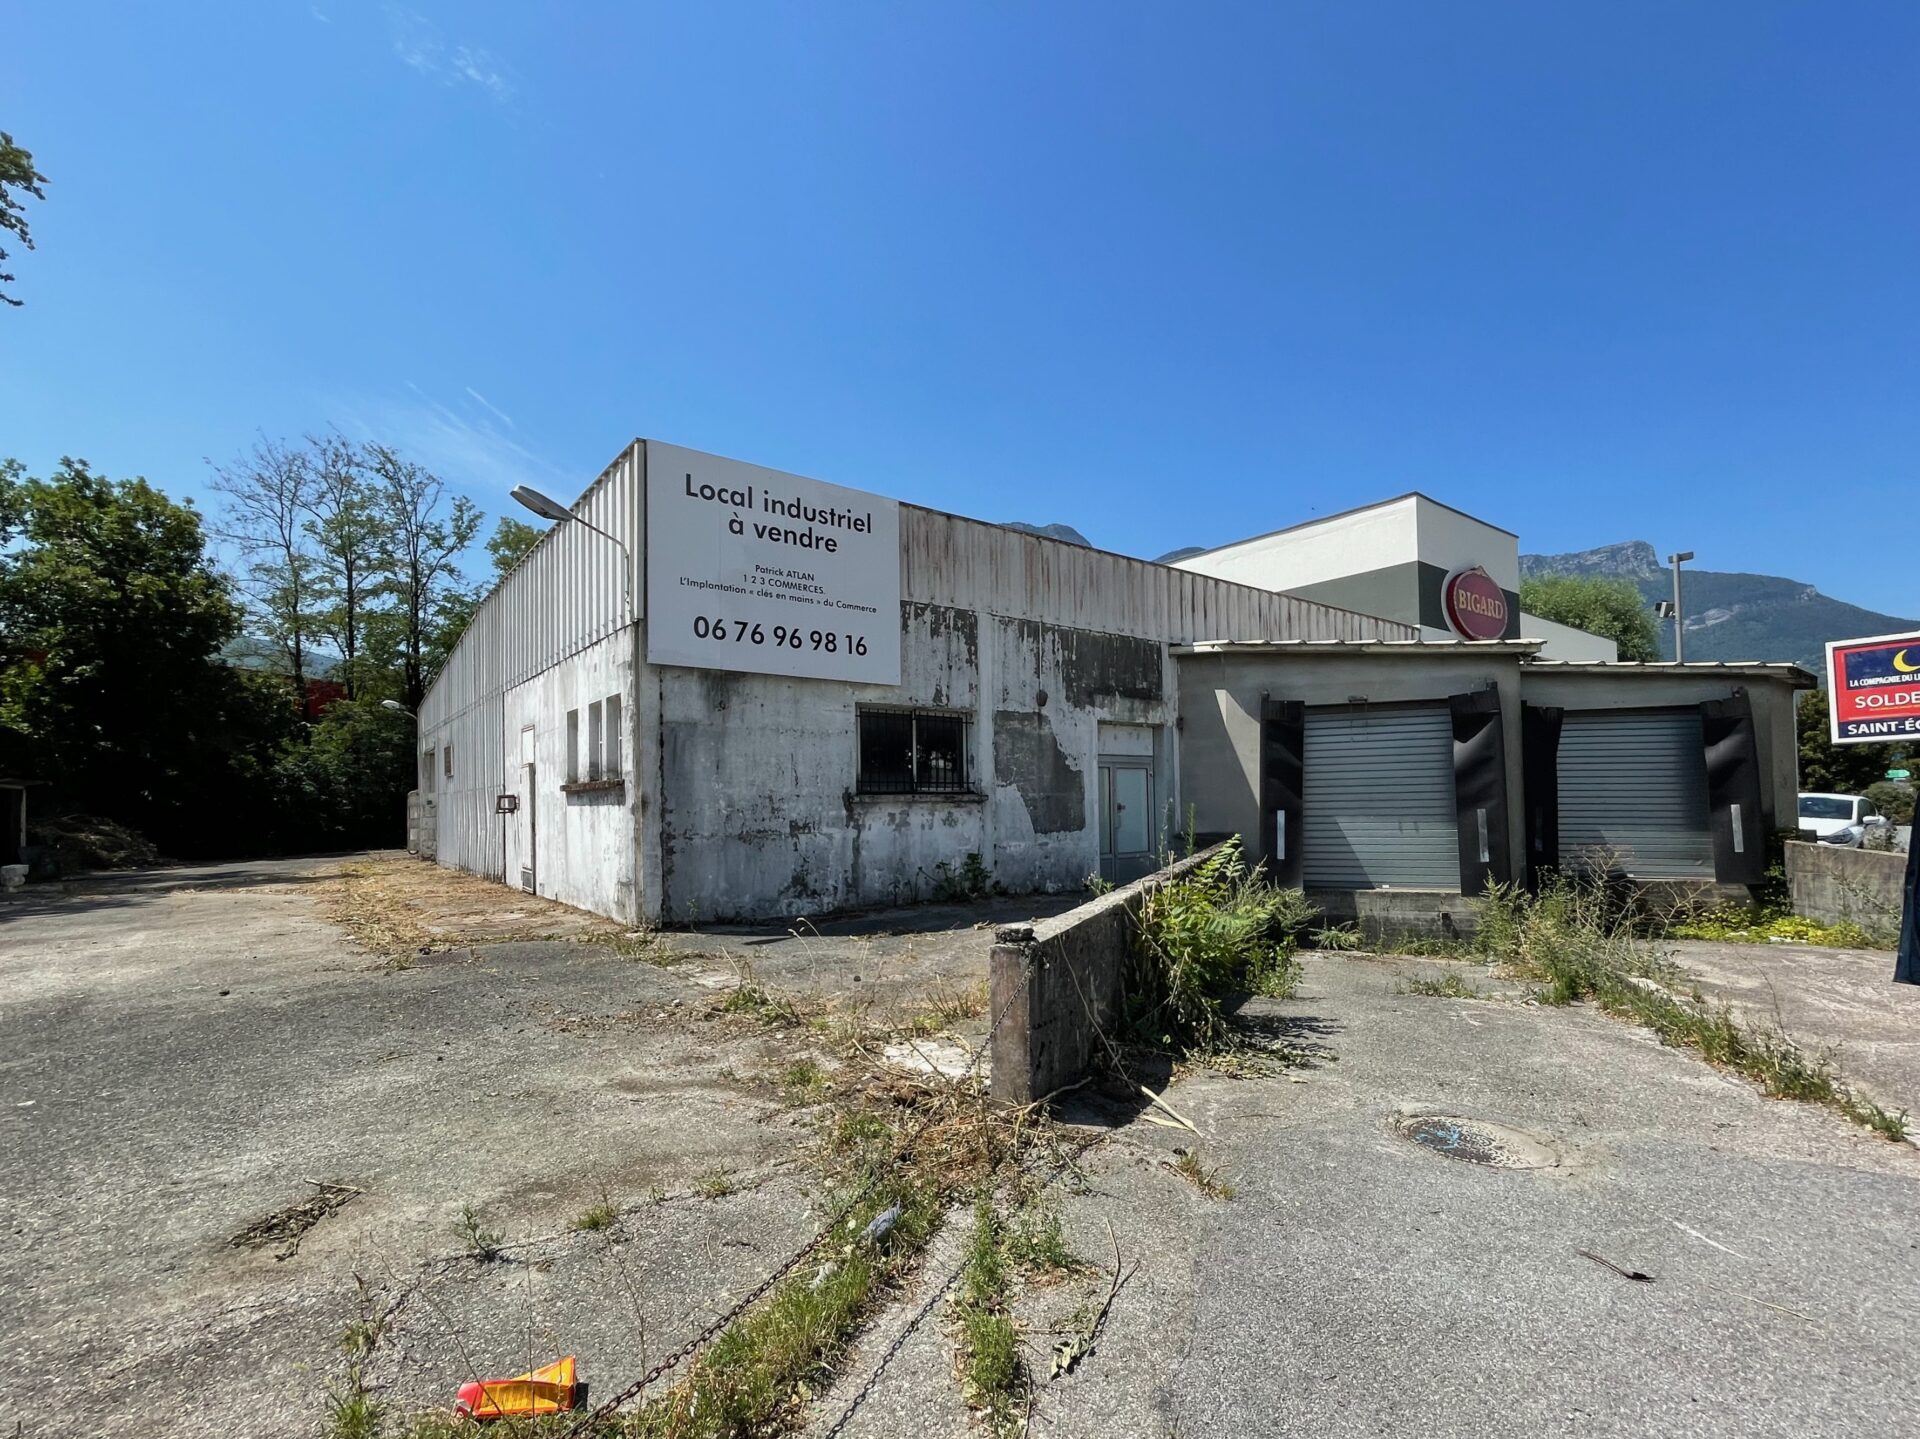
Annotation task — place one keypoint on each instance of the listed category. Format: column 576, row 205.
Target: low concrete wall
column 1055, row 983
column 1386, row 915
column 1832, row 883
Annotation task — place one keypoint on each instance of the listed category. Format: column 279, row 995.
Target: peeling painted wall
column 762, row 815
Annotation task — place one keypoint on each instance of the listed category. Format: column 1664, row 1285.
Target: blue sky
column 1173, row 274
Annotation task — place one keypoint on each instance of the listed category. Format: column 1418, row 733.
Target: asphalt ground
column 184, row 1055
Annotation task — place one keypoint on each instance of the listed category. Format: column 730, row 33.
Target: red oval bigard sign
column 1475, row 606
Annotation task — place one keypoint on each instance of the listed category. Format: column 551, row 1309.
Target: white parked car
column 1839, row 818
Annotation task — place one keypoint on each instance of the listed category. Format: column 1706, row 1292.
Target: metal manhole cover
column 1476, row 1141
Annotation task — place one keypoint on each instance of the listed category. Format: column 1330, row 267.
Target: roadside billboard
column 1873, row 689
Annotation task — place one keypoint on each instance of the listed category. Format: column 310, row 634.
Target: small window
column 426, row 771
column 912, row 752
column 446, row 759
column 611, row 765
column 593, row 740
column 573, row 746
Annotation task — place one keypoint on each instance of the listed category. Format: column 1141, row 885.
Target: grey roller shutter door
column 1377, row 801
column 1634, row 785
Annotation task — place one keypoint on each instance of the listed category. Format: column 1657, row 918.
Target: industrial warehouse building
column 730, row 693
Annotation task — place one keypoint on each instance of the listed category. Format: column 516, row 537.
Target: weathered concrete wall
column 1220, row 694
column 579, row 843
column 1385, row 915
column 1056, row 985
column 761, row 812
column 1834, row 884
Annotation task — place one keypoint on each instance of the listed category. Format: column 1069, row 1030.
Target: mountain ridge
column 1730, row 614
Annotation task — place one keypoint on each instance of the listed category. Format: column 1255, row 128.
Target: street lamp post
column 549, row 508
column 1679, row 614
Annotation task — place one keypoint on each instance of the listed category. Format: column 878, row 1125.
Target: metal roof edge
column 1766, row 669
column 1522, row 648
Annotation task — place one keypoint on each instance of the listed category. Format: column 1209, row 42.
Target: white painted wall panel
column 1329, row 549
column 564, row 596
column 580, row 846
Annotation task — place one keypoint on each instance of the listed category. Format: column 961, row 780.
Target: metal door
column 1377, row 806
column 529, row 829
column 1633, row 792
column 1126, row 818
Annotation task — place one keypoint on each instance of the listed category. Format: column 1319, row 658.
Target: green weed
column 1439, row 986
column 1575, row 941
column 1337, row 937
column 776, row 1011
column 994, row 1376
column 352, row 1413
column 745, row 1382
column 1035, row 1244
column 482, row 1243
column 1190, row 1167
column 803, row 1081
column 1763, row 923
column 603, row 1213
column 1199, row 937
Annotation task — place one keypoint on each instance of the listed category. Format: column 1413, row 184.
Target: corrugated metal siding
column 947, row 560
column 1633, row 786
column 564, row 596
column 1377, row 801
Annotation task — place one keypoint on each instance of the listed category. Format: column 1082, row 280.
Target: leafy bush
column 1758, row 923
column 1220, row 927
column 1893, row 799
column 1603, row 605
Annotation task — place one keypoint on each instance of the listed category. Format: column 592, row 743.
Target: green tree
column 1893, row 798
column 423, row 531
column 344, row 523
column 1599, row 604
column 111, row 621
column 352, row 775
column 510, row 543
column 270, row 494
column 17, row 177
column 1829, row 768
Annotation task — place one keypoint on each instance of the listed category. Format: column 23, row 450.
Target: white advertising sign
column 749, row 569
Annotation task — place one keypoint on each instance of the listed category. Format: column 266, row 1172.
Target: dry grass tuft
column 399, row 908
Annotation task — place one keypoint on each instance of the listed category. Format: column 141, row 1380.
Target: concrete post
column 1010, row 988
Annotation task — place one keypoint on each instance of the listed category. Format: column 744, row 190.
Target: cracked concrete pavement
column 183, row 1053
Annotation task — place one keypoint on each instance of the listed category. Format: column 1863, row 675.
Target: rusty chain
column 712, row 1331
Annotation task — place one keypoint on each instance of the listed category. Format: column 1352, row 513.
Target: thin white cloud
column 489, row 405
column 421, row 47
column 483, row 70
column 320, row 15
column 462, row 443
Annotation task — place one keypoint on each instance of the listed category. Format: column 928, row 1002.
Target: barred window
column 912, row 752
